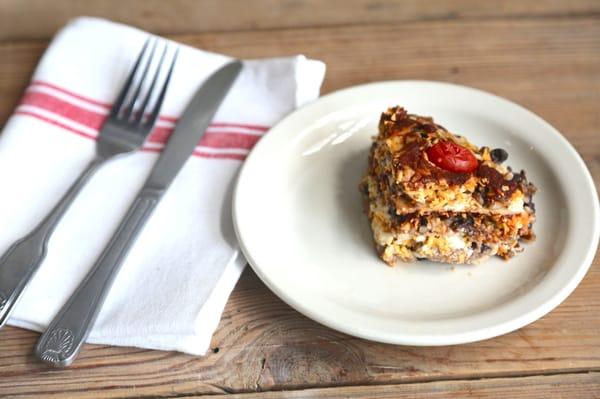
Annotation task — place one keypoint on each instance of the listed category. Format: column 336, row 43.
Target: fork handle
column 22, row 259
column 61, row 342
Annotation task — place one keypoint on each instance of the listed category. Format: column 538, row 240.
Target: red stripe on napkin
column 220, row 135
column 55, row 123
column 63, row 108
column 165, row 118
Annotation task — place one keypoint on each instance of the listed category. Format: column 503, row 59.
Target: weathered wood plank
column 550, row 65
column 39, row 19
column 17, row 62
column 572, row 386
column 262, row 344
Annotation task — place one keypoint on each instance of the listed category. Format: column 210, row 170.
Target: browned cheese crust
column 419, row 211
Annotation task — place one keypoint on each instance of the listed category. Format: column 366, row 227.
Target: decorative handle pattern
column 65, row 335
column 59, row 346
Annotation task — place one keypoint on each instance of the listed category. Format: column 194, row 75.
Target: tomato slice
column 452, row 157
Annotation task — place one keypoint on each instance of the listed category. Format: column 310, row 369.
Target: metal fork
column 129, row 122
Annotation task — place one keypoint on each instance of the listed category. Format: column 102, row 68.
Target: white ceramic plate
column 298, row 217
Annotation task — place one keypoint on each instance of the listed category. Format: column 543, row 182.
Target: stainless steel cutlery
column 130, row 120
column 61, row 342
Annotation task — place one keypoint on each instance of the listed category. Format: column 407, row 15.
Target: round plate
column 299, row 220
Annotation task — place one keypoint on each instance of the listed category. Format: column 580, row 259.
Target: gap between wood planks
column 449, row 17
column 376, row 386
column 425, row 380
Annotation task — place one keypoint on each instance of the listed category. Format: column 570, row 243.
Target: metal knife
column 62, row 341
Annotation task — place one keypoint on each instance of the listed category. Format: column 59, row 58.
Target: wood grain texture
column 17, row 62
column 571, row 386
column 39, row 19
column 550, row 65
column 262, row 344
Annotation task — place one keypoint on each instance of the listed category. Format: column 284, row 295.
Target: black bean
column 458, row 221
column 478, row 197
column 499, row 155
column 531, row 206
column 464, row 224
column 403, row 217
column 519, row 177
column 482, row 195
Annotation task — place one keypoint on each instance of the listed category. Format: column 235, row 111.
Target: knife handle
column 61, row 342
column 22, row 259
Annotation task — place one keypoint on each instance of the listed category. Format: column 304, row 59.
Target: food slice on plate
column 431, row 194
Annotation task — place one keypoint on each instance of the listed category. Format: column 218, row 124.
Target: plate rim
column 435, row 339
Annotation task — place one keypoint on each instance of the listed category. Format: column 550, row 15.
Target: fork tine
column 152, row 118
column 132, row 101
column 114, row 112
column 142, row 110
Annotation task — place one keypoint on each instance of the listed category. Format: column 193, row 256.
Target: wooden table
column 544, row 55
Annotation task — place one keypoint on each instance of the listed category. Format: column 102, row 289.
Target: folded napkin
column 174, row 284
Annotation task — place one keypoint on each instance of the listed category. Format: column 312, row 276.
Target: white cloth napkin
column 174, row 284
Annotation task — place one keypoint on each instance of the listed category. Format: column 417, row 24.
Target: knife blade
column 192, row 124
column 62, row 341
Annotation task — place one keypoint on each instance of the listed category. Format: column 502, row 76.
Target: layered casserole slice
column 430, row 194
